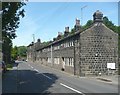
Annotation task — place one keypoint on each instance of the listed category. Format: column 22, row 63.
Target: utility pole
column 82, row 14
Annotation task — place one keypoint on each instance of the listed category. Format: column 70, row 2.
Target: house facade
column 85, row 52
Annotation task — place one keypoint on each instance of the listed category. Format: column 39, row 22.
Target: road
column 35, row 78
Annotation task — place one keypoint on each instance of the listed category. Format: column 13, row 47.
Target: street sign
column 111, row 65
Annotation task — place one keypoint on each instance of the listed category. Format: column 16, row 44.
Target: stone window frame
column 49, row 60
column 56, row 60
column 69, row 61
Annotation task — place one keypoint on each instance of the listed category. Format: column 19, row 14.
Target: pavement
column 9, row 81
column 111, row 79
column 29, row 77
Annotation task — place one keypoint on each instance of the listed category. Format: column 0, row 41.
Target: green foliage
column 72, row 31
column 110, row 25
column 11, row 18
column 11, row 13
column 45, row 43
column 22, row 51
column 88, row 24
column 14, row 53
column 9, row 66
column 19, row 51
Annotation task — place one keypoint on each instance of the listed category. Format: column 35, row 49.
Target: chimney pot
column 66, row 31
column 77, row 25
column 98, row 16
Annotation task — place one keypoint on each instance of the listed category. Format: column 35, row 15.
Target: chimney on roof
column 32, row 43
column 77, row 25
column 38, row 40
column 59, row 35
column 66, row 31
column 77, row 22
column 98, row 16
column 54, row 39
column 38, row 43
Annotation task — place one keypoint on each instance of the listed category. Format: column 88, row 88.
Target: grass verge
column 9, row 66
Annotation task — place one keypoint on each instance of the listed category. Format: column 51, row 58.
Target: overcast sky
column 45, row 20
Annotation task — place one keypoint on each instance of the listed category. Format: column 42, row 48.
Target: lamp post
column 82, row 14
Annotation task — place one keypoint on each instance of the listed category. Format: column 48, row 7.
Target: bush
column 9, row 66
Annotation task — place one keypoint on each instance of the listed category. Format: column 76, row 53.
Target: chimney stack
column 77, row 22
column 98, row 16
column 66, row 31
column 54, row 39
column 77, row 25
column 59, row 35
column 38, row 40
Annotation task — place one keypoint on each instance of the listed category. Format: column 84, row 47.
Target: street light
column 82, row 14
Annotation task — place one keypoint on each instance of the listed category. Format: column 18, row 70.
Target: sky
column 46, row 19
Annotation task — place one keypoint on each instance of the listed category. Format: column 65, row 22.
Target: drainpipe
column 74, row 58
column 80, row 67
column 51, row 57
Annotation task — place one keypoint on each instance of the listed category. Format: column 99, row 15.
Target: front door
column 63, row 63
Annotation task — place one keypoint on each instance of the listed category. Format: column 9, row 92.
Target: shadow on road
column 27, row 81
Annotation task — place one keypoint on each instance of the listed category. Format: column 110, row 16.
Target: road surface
column 29, row 77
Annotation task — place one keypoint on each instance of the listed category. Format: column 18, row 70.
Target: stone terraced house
column 86, row 52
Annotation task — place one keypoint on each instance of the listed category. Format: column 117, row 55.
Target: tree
column 11, row 13
column 88, row 24
column 19, row 52
column 22, row 51
column 14, row 53
column 11, row 18
column 109, row 24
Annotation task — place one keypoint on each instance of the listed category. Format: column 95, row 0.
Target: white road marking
column 36, row 70
column 41, row 73
column 70, row 88
column 31, row 67
column 46, row 76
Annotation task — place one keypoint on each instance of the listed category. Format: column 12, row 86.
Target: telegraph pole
column 82, row 14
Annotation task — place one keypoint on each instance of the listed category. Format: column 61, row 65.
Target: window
column 69, row 62
column 72, row 62
column 56, row 47
column 49, row 60
column 56, row 61
column 72, row 43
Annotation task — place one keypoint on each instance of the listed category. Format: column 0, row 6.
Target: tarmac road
column 29, row 77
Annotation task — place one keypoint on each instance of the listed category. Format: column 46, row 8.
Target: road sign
column 111, row 65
